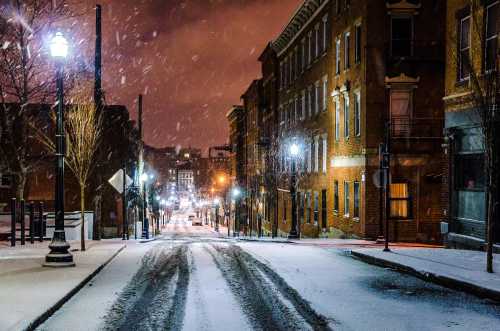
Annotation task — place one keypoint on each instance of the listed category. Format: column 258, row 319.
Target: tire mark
column 155, row 297
column 253, row 283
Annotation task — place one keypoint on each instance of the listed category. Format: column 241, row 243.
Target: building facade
column 350, row 76
column 472, row 60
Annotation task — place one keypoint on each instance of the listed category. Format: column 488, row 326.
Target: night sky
column 192, row 59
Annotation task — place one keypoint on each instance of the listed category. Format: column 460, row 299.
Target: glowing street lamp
column 294, row 154
column 236, row 192
column 59, row 255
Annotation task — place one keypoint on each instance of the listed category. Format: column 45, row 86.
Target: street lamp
column 294, row 153
column 217, row 204
column 236, row 193
column 145, row 225
column 59, row 256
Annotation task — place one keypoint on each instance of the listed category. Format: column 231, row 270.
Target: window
column 337, row 7
column 346, row 199
column 290, row 70
column 357, row 114
column 316, row 207
column 336, row 196
column 309, row 152
column 469, row 170
column 356, row 200
column 307, row 108
column 464, row 49
column 303, row 55
column 303, row 105
column 325, row 33
column 312, row 99
column 491, row 35
column 297, row 109
column 324, row 97
column 400, row 200
column 308, row 208
column 316, row 40
column 346, row 115
column 317, row 97
column 337, row 56
column 323, row 209
column 357, row 50
column 347, row 44
column 337, row 119
column 316, row 154
column 301, row 207
column 401, row 109
column 282, row 76
column 5, row 180
column 325, row 153
column 284, row 209
column 401, row 36
column 310, row 47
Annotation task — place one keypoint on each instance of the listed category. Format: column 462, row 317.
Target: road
column 195, row 279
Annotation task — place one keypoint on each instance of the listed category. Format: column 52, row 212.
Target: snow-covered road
column 192, row 279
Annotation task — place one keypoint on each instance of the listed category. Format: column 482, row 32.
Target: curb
column 267, row 241
column 46, row 315
column 451, row 283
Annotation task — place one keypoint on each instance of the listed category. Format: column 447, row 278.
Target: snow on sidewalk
column 462, row 269
column 28, row 290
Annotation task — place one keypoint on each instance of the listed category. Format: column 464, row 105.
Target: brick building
column 352, row 75
column 472, row 57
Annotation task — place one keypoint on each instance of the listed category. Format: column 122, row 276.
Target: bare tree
column 483, row 85
column 83, row 129
column 23, row 79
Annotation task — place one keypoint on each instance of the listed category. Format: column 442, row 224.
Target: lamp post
column 216, row 203
column 59, row 256
column 145, row 226
column 236, row 193
column 294, row 153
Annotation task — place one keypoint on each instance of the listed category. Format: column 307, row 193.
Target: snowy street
column 194, row 279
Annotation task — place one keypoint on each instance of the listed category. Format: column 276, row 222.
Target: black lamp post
column 59, row 256
column 217, row 203
column 294, row 153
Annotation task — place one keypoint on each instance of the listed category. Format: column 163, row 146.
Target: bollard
column 13, row 206
column 32, row 221
column 40, row 221
column 23, row 223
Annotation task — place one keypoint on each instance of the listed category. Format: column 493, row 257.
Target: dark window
column 347, row 55
column 357, row 55
column 402, row 36
column 5, row 180
column 469, row 172
column 491, row 35
column 356, row 199
column 323, row 209
column 464, row 49
column 336, row 196
column 316, row 207
column 337, row 7
column 301, row 207
column 284, row 210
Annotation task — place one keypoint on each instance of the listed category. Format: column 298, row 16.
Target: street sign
column 117, row 181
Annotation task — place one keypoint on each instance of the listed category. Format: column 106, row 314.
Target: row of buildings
column 362, row 85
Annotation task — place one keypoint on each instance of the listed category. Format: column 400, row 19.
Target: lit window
column 337, row 56
column 325, row 153
column 337, row 120
column 325, row 93
column 400, row 200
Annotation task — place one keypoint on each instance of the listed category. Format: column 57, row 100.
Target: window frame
column 347, row 115
column 356, row 203
column 490, row 38
column 461, row 20
column 337, row 56
column 346, row 199
column 336, row 198
column 347, row 53
column 337, row 119
column 357, row 113
column 407, row 199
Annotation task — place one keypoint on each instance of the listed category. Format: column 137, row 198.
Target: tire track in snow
column 155, row 297
column 256, row 286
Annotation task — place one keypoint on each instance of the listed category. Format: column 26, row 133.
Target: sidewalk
column 457, row 269
column 29, row 293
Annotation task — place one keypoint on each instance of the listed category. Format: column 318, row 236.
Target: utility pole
column 386, row 162
column 98, row 59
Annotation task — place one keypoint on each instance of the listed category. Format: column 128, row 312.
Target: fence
column 23, row 221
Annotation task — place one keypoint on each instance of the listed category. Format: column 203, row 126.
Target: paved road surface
column 194, row 279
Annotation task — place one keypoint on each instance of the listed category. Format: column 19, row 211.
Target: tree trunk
column 20, row 185
column 82, row 208
column 491, row 205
